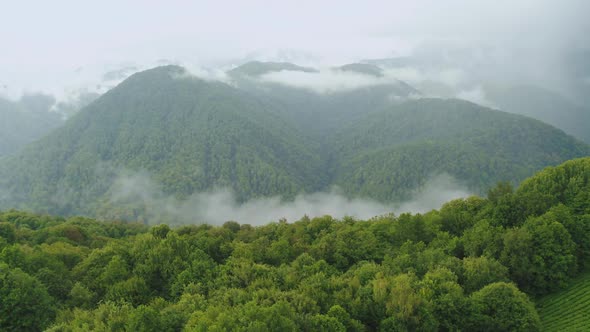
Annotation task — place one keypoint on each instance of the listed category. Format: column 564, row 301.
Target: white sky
column 44, row 42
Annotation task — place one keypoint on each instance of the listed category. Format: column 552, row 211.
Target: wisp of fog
column 220, row 205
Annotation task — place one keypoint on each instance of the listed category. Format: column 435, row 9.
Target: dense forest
column 265, row 139
column 476, row 264
column 295, row 166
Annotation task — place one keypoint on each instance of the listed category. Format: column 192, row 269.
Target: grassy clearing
column 569, row 309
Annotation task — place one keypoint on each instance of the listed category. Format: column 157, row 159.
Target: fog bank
column 219, row 205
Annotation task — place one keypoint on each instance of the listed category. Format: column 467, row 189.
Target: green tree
column 540, row 255
column 502, row 307
column 25, row 304
column 480, row 271
column 8, row 232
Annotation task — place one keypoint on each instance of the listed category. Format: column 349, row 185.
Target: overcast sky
column 44, row 42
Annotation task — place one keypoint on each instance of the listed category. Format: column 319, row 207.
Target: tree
column 480, row 271
column 25, row 304
column 483, row 239
column 501, row 189
column 447, row 302
column 460, row 214
column 160, row 231
column 502, row 307
column 343, row 317
column 553, row 243
column 403, row 302
column 8, row 232
column 578, row 226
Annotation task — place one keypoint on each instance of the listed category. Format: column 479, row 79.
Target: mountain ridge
column 192, row 135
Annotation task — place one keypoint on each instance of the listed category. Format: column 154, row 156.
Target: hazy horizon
column 63, row 46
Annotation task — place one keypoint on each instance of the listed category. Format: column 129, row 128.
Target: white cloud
column 453, row 77
column 327, row 80
column 476, row 95
column 219, row 205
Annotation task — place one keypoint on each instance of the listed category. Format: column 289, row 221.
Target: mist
column 327, row 80
column 220, row 205
column 533, row 40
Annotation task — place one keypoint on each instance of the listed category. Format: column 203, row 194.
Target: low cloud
column 327, row 80
column 4, row 196
column 203, row 73
column 450, row 82
column 219, row 205
column 435, row 192
column 452, row 77
column 476, row 95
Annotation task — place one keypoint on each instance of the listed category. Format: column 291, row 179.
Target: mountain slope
column 317, row 112
column 390, row 152
column 163, row 131
column 189, row 135
column 24, row 121
column 542, row 104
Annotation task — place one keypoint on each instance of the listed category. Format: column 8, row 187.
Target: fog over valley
column 342, row 105
column 219, row 204
column 346, row 166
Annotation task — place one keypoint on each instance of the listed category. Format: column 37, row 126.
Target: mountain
column 319, row 111
column 25, row 120
column 542, row 104
column 560, row 100
column 188, row 134
column 388, row 153
column 165, row 132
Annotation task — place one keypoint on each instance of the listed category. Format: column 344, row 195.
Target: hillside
column 465, row 267
column 569, row 309
column 542, row 104
column 390, row 152
column 165, row 135
column 24, row 121
column 188, row 134
column 318, row 108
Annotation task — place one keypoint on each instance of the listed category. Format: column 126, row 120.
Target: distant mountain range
column 264, row 138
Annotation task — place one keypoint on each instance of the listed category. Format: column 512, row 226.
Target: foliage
column 460, row 268
column 163, row 135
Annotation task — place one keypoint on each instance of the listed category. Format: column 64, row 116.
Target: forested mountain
column 25, row 120
column 388, row 153
column 317, row 108
column 189, row 134
column 542, row 104
column 481, row 77
column 476, row 264
column 261, row 139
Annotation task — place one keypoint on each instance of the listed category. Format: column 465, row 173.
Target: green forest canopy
column 192, row 135
column 473, row 265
